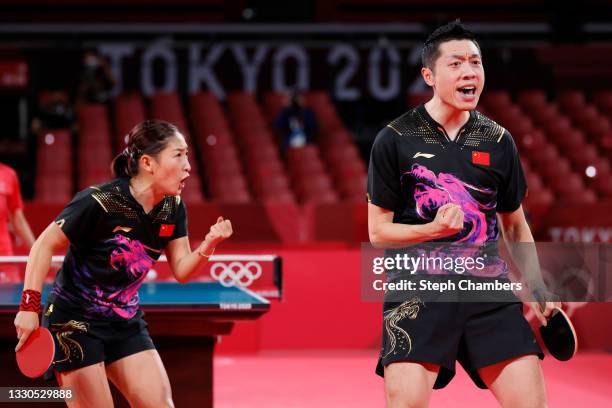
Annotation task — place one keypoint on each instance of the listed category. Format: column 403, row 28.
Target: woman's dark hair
column 149, row 137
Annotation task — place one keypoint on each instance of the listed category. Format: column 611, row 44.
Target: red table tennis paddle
column 559, row 336
column 36, row 355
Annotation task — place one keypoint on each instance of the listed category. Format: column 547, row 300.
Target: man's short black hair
column 448, row 32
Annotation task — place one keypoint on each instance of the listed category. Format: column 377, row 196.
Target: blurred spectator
column 97, row 80
column 53, row 111
column 296, row 123
column 12, row 220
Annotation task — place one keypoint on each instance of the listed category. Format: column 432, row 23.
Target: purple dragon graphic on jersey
column 106, row 299
column 431, row 192
column 131, row 257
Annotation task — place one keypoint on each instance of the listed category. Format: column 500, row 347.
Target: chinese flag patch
column 166, row 230
column 482, row 158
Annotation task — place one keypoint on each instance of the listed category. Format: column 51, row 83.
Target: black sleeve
column 180, row 223
column 80, row 217
column 383, row 172
column 513, row 188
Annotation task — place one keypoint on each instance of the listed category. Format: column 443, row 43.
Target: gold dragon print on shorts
column 70, row 347
column 399, row 339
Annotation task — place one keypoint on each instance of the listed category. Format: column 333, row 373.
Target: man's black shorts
column 475, row 334
column 82, row 342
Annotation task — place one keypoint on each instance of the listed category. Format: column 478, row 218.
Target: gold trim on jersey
column 396, row 131
column 99, row 202
column 123, row 229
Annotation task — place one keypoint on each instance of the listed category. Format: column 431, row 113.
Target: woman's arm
column 51, row 240
column 183, row 262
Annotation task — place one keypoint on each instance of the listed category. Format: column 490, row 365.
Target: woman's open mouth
column 182, row 182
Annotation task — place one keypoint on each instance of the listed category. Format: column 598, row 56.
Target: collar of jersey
column 439, row 129
column 124, row 186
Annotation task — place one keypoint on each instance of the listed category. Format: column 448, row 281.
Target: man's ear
column 428, row 76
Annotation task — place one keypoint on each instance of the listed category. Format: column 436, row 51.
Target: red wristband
column 30, row 301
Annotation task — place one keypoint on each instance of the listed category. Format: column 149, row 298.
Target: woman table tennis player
column 116, row 232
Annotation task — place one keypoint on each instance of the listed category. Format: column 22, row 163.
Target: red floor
column 318, row 379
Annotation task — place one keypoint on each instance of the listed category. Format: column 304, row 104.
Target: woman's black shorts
column 82, row 342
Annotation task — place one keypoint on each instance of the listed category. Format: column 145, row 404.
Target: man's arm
column 22, row 228
column 384, row 233
column 521, row 245
column 514, row 226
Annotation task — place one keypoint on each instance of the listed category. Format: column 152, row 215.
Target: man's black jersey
column 415, row 169
column 113, row 244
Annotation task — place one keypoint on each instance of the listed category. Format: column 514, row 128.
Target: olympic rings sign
column 236, row 273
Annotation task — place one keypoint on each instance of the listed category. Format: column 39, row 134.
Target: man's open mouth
column 468, row 90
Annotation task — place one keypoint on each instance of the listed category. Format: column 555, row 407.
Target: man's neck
column 449, row 118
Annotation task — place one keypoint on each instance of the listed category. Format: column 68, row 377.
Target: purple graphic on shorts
column 432, row 192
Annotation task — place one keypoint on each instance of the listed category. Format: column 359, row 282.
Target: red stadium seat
column 534, row 182
column 543, row 198
column 603, row 100
column 260, row 171
column 308, row 152
column 520, row 126
column 274, row 103
column 230, row 184
column 584, row 156
column 584, row 197
column 568, row 184
column 234, row 197
column 58, row 189
column 318, row 183
column 557, row 126
column 570, row 139
column 341, row 153
column 545, row 115
column 534, row 99
column 326, row 197
column 597, row 127
column 603, row 186
column 547, row 153
column 167, row 106
column 354, row 186
column 571, row 100
column 497, row 100
column 271, row 184
column 129, row 110
column 554, row 168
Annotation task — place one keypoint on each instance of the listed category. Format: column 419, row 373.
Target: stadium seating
column 565, row 140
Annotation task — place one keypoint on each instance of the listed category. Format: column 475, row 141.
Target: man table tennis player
column 445, row 172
